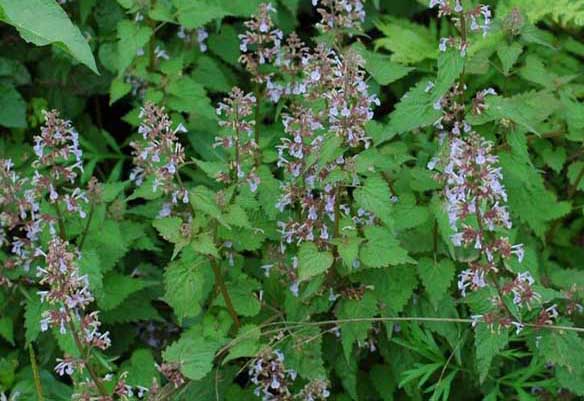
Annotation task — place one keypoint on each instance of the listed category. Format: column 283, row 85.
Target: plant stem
column 222, row 287
column 85, row 353
column 35, row 373
column 86, row 229
column 258, row 118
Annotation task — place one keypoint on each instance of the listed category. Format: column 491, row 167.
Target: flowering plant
column 298, row 200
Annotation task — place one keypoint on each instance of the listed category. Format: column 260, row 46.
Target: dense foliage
column 298, row 200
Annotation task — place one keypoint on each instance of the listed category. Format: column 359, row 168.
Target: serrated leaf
column 194, row 355
column 414, row 110
column 117, row 287
column 246, row 344
column 374, row 196
column 409, row 42
column 382, row 249
column 7, row 329
column 436, row 277
column 12, row 107
column 242, row 292
column 488, row 344
column 312, row 262
column 187, row 284
column 203, row 199
column 132, row 38
column 365, row 307
column 44, row 22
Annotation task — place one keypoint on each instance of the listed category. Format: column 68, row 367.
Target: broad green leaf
column 409, row 42
column 414, row 110
column 246, row 344
column 117, row 287
column 12, row 108
column 44, row 22
column 488, row 344
column 366, row 307
column 7, row 329
column 381, row 68
column 187, row 284
column 242, row 290
column 312, row 262
column 132, row 39
column 382, row 249
column 375, row 197
column 194, row 355
column 436, row 277
column 509, row 54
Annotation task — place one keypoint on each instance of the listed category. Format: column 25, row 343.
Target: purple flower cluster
column 235, row 114
column 68, row 295
column 56, row 167
column 261, row 43
column 158, row 156
column 270, row 376
column 340, row 14
column 200, row 35
column 476, row 19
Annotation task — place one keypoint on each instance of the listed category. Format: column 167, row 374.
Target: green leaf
column 116, row 288
column 242, row 290
column 7, row 329
column 450, row 67
column 576, row 174
column 488, row 344
column 394, row 286
column 12, row 108
column 436, row 277
column 312, row 262
column 203, row 199
column 132, row 37
column 44, row 22
column 187, row 285
column 381, row 68
column 365, row 307
column 382, row 249
column 194, row 355
column 170, row 228
column 529, row 198
column 409, row 42
column 32, row 317
column 236, row 216
column 196, row 13
column 509, row 54
column 142, row 368
column 414, row 110
column 374, row 196
column 246, row 344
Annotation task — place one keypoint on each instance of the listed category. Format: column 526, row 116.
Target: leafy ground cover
column 298, row 200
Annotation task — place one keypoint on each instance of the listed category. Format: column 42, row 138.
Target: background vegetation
column 206, row 289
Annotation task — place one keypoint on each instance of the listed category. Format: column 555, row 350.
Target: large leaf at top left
column 44, row 22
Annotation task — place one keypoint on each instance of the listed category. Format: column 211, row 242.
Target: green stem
column 223, row 288
column 35, row 373
column 86, row 229
column 258, row 120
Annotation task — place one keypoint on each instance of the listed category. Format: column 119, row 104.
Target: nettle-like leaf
column 382, row 249
column 194, row 354
column 312, row 262
column 188, row 283
column 374, row 196
column 488, row 344
column 118, row 287
column 436, row 277
column 409, row 42
column 348, row 309
column 44, row 22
